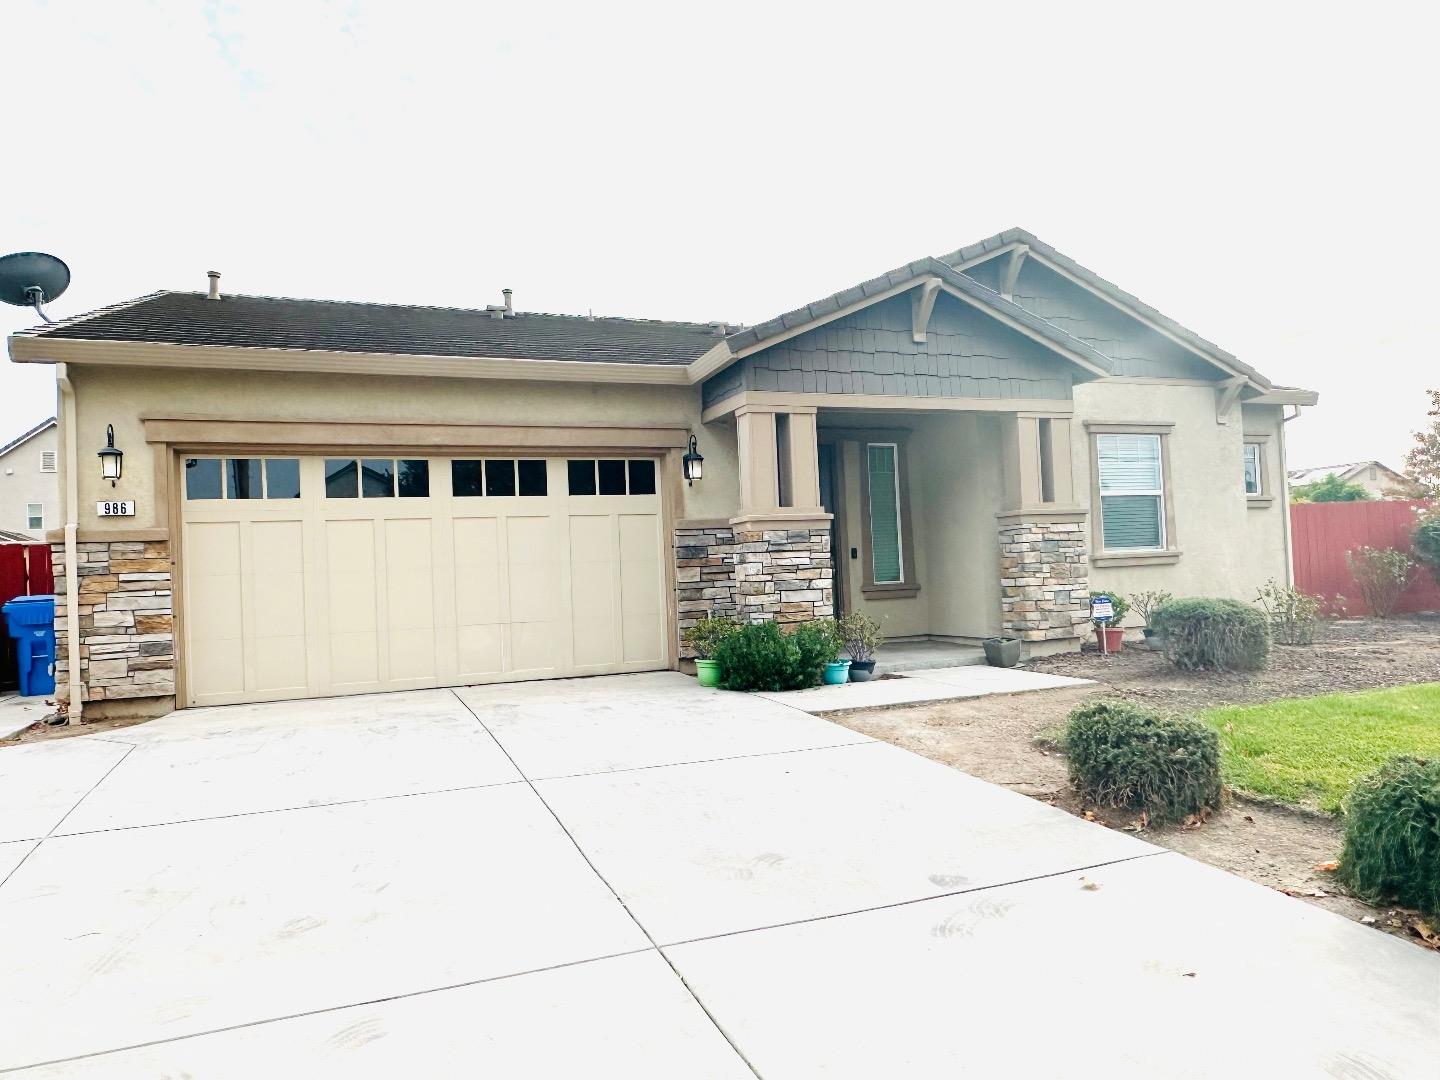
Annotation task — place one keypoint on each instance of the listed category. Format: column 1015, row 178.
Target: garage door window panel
column 377, row 478
column 203, row 478
column 612, row 477
column 588, row 476
column 414, row 478
column 467, row 479
column 582, row 476
column 282, row 478
column 533, row 479
column 342, row 478
column 642, row 477
column 499, row 477
column 242, row 479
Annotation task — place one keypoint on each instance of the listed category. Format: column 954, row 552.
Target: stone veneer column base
column 752, row 574
column 127, row 625
column 784, row 575
column 1044, row 584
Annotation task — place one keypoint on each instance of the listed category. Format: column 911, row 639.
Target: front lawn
column 1311, row 750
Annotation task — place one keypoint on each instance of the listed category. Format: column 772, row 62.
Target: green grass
column 1309, row 751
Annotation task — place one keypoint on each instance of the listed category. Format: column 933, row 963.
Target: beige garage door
column 307, row 576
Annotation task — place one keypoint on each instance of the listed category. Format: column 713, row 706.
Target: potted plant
column 1002, row 651
column 1146, row 604
column 1108, row 631
column 837, row 671
column 861, row 636
column 703, row 639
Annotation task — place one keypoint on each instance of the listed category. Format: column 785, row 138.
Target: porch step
column 923, row 655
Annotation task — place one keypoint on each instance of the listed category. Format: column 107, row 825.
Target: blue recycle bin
column 30, row 620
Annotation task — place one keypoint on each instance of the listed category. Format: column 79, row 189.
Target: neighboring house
column 29, row 482
column 340, row 497
column 1379, row 480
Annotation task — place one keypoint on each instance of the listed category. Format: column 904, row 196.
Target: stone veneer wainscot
column 127, row 621
column 753, row 574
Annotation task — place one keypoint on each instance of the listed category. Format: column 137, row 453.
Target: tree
column 1422, row 463
column 1331, row 489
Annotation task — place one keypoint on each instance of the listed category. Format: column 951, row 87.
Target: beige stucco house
column 338, row 498
column 1377, row 478
column 29, row 482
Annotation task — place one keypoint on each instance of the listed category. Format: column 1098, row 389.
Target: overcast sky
column 1264, row 173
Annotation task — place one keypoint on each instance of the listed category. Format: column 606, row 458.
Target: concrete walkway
column 634, row 877
column 921, row 685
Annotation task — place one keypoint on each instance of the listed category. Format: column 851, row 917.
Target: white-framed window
column 1254, row 476
column 47, row 460
column 887, row 551
column 34, row 516
column 1132, row 491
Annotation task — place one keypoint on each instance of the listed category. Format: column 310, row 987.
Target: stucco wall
column 120, row 396
column 1228, row 548
column 22, row 482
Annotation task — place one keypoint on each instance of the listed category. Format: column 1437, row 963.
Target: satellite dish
column 32, row 278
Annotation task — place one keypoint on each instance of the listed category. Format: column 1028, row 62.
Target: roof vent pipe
column 214, row 276
column 509, row 301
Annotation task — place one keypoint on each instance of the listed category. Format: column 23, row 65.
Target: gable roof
column 957, row 284
column 271, row 322
column 43, row 426
column 992, row 246
column 1345, row 472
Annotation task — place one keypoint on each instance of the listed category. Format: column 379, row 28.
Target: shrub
column 861, row 635
column 1392, row 835
column 1120, row 604
column 1221, row 635
column 1146, row 603
column 761, row 656
column 1122, row 755
column 1426, row 543
column 1293, row 614
column 1382, row 574
column 704, row 638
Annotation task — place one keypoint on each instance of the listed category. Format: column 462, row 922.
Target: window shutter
column 884, row 515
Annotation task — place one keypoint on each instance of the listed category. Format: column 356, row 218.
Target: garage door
column 308, row 576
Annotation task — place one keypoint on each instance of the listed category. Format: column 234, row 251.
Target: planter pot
column 1153, row 641
column 837, row 672
column 862, row 670
column 1002, row 651
column 1111, row 638
column 708, row 672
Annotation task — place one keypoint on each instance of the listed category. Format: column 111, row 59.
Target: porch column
column 784, row 569
column 1044, row 584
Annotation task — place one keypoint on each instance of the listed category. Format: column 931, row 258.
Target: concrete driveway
column 634, row 877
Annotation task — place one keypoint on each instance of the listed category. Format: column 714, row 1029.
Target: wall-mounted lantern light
column 693, row 463
column 110, row 457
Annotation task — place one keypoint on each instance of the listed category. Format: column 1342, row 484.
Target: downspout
column 76, row 705
column 1285, row 494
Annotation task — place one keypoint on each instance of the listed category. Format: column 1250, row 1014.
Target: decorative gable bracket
column 1227, row 393
column 922, row 304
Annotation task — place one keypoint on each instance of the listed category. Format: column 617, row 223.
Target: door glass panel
column 532, row 477
column 414, row 478
column 500, row 477
column 642, row 478
column 884, row 514
column 242, row 478
column 202, row 478
column 582, row 476
column 342, row 478
column 465, row 478
column 377, row 478
column 612, row 478
column 282, row 478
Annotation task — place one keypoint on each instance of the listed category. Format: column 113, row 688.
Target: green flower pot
column 708, row 672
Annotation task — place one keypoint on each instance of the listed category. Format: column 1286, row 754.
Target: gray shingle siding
column 966, row 353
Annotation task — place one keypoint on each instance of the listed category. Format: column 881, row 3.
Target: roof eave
column 37, row 349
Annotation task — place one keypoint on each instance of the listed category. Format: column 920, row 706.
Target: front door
column 828, row 460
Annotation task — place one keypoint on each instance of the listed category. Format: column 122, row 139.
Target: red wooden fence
column 1322, row 534
column 24, row 571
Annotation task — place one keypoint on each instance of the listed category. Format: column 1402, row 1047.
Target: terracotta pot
column 1111, row 638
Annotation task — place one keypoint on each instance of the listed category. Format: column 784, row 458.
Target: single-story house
column 29, row 482
column 324, row 498
column 1381, row 481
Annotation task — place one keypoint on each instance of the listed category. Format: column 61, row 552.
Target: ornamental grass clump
column 1122, row 755
column 1213, row 635
column 761, row 656
column 1392, row 835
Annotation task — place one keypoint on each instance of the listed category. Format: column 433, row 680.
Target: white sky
column 1264, row 173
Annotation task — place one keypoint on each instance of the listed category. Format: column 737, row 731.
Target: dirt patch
column 45, row 733
column 1002, row 739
